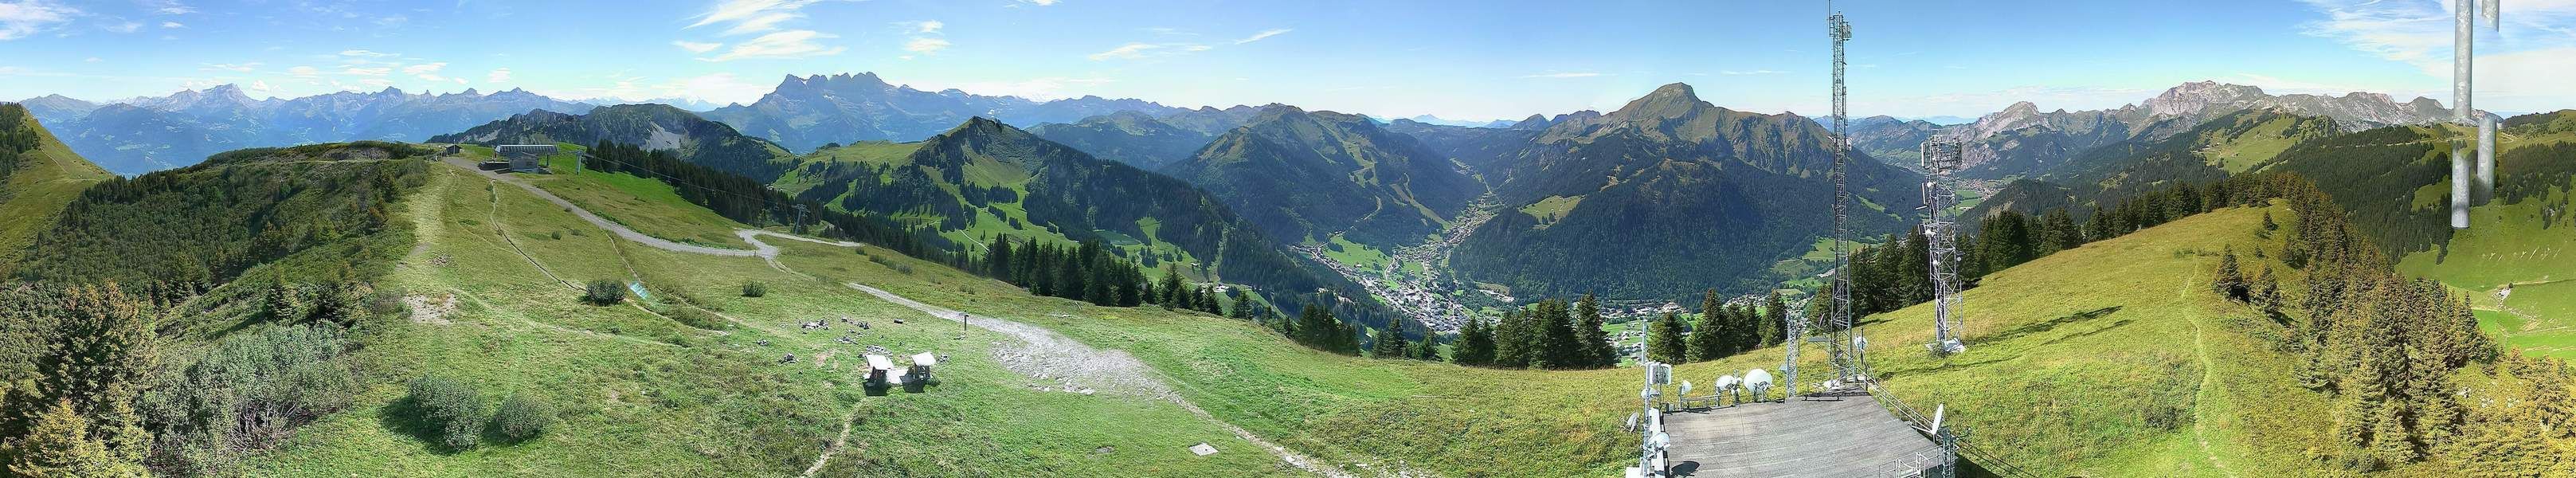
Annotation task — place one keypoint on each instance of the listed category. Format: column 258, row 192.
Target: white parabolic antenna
column 1757, row 378
column 1728, row 382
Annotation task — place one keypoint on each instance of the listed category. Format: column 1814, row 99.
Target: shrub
column 604, row 292
column 448, row 411
column 754, row 289
column 245, row 394
column 522, row 417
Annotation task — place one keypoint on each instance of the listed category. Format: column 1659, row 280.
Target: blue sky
column 1461, row 60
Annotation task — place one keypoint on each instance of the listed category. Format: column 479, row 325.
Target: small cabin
column 453, row 150
column 526, row 158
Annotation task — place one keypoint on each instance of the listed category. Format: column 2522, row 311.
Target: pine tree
column 1390, row 341
column 1775, row 314
column 59, row 444
column 1560, row 346
column 1595, row 339
column 1169, row 294
column 2231, row 280
column 1513, row 344
column 1475, row 344
column 1664, row 340
column 1707, row 342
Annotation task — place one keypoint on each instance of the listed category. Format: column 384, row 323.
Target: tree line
column 1550, row 334
column 750, row 201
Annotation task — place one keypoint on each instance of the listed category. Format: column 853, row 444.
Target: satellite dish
column 1632, row 421
column 1660, row 441
column 1686, row 387
column 1729, row 382
column 1860, row 343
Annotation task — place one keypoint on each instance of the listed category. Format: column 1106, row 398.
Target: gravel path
column 604, row 223
column 1042, row 354
column 1046, row 355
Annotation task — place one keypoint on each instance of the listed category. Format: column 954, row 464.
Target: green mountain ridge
column 39, row 176
column 1310, row 176
column 654, row 127
column 984, row 178
column 1670, row 195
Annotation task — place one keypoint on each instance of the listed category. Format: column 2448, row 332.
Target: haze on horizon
column 1392, row 59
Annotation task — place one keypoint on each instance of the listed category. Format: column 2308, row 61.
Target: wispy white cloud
column 124, row 27
column 925, row 45
column 304, row 71
column 1581, row 74
column 497, row 75
column 426, row 71
column 928, row 26
column 21, row 18
column 364, row 54
column 169, row 7
column 751, row 16
column 1264, row 34
column 781, row 45
column 1039, row 2
column 1750, row 72
column 173, row 25
column 234, row 67
column 696, row 47
column 380, row 71
column 1127, row 51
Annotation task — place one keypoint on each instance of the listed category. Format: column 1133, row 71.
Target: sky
column 1396, row 58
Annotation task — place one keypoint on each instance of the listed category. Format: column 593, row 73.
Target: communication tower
column 1941, row 155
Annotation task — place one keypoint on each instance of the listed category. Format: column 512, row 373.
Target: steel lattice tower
column 1941, row 155
column 1841, row 342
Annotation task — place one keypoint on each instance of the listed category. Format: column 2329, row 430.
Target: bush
column 694, row 317
column 448, row 411
column 604, row 292
column 754, row 289
column 245, row 394
column 522, row 417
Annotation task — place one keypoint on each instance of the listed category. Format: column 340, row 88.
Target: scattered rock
column 1202, row 449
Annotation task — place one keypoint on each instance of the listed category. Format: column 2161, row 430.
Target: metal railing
column 1985, row 460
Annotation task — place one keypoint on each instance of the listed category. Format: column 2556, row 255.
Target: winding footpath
column 1042, row 353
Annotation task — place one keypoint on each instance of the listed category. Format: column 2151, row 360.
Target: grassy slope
column 48, row 178
column 2057, row 379
column 2510, row 245
column 2068, row 352
column 641, row 392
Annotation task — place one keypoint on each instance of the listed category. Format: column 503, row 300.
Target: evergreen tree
column 58, row 444
column 1664, row 340
column 2059, row 232
column 1511, row 347
column 2231, row 281
column 1707, row 342
column 1594, row 339
column 1775, row 315
column 1559, row 345
column 1475, row 344
column 1390, row 342
column 1169, row 294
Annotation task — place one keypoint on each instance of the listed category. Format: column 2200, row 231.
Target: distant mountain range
column 2021, row 140
column 1304, row 175
column 137, row 135
column 807, row 113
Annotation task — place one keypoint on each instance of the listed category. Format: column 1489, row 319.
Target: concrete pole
column 2486, row 158
column 2463, row 33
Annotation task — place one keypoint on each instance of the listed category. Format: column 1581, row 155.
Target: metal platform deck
column 1840, row 436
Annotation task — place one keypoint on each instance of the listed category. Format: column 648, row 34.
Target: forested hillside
column 1311, row 176
column 38, row 176
column 985, row 180
column 1668, row 196
column 653, row 127
column 200, row 226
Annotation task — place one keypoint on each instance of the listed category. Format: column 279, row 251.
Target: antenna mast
column 1941, row 155
column 1842, row 344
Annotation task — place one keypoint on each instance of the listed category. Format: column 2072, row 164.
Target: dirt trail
column 2208, row 382
column 1046, row 355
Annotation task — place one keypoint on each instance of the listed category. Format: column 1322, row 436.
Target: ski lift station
column 526, row 158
